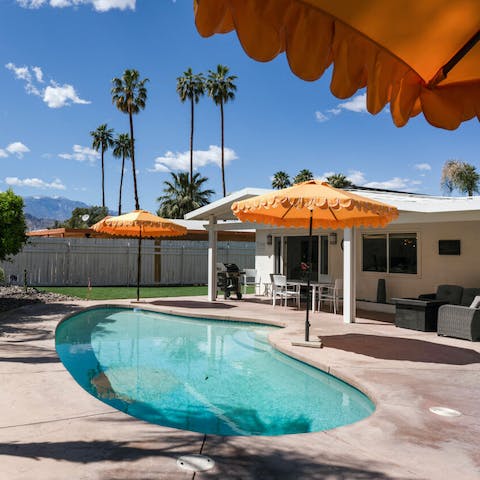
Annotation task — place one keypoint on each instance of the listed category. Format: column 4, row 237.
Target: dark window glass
column 403, row 253
column 297, row 253
column 324, row 254
column 374, row 253
column 278, row 254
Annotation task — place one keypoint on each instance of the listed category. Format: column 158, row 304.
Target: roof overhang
column 221, row 209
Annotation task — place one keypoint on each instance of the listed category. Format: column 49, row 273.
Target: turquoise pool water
column 201, row 375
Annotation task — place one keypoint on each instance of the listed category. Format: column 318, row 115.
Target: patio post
column 212, row 258
column 349, row 281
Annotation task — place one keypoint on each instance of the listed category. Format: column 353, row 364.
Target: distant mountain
column 56, row 208
column 34, row 223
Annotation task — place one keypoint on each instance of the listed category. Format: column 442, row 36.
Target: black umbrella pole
column 309, row 273
column 139, row 265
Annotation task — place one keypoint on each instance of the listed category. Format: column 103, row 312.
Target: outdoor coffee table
column 417, row 314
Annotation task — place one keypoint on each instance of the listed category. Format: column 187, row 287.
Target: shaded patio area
column 50, row 427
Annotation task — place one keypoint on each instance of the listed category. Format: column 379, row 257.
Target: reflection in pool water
column 201, row 375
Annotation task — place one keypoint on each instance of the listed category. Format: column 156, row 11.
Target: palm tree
column 303, row 176
column 462, row 176
column 191, row 87
column 339, row 180
column 102, row 140
column 121, row 149
column 281, row 180
column 130, row 95
column 181, row 196
column 221, row 88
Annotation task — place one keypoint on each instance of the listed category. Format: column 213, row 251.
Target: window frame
column 387, row 234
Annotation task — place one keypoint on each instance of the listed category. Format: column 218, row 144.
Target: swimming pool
column 201, row 375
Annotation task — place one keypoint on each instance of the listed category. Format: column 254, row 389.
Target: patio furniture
column 332, row 294
column 249, row 277
column 459, row 321
column 422, row 313
column 417, row 314
column 281, row 290
column 446, row 293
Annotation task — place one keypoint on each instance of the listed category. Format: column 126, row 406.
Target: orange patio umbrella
column 417, row 56
column 139, row 224
column 314, row 204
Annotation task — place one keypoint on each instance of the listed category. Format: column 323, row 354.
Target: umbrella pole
column 139, row 263
column 309, row 273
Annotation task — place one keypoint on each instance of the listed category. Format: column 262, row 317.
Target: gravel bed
column 15, row 296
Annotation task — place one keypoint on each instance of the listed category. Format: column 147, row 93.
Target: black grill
column 228, row 280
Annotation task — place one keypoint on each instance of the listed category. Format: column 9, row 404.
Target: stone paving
column 50, row 428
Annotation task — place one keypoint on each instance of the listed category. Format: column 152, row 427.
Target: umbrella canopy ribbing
column 328, row 207
column 417, row 56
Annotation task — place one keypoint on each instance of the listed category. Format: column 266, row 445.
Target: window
column 402, row 253
column 374, row 253
column 400, row 249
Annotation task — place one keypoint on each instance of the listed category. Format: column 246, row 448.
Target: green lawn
column 112, row 293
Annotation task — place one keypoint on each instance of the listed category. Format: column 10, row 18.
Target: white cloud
column 3, row 153
column 395, row 183
column 181, row 160
column 18, row 149
column 320, row 117
column 57, row 96
column 81, row 154
column 425, row 167
column 356, row 177
column 54, row 95
column 34, row 183
column 357, row 104
column 98, row 5
column 38, row 74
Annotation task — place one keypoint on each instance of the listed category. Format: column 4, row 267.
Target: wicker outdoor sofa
column 459, row 322
column 458, row 319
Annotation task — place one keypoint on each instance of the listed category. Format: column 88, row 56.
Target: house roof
column 413, row 207
column 196, row 230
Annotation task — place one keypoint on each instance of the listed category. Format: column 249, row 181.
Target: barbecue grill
column 228, row 279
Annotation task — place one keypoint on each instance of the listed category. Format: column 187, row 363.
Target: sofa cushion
column 468, row 295
column 450, row 293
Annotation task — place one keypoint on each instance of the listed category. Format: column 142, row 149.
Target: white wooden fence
column 76, row 261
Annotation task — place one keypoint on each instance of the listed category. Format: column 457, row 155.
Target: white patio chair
column 332, row 294
column 281, row 290
column 250, row 277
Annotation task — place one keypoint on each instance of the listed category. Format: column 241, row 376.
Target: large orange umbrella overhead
column 139, row 224
column 417, row 56
column 314, row 204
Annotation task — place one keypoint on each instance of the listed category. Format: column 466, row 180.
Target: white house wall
column 433, row 269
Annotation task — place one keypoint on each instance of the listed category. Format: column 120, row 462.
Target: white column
column 349, row 280
column 212, row 259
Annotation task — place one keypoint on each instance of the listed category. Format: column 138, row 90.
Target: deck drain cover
column 445, row 411
column 195, row 463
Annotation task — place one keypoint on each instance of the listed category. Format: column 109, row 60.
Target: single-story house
column 435, row 240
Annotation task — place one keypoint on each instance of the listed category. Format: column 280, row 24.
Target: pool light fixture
column 195, row 463
column 445, row 411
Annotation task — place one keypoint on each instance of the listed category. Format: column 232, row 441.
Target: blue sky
column 58, row 58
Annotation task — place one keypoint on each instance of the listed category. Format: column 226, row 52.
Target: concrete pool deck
column 50, row 428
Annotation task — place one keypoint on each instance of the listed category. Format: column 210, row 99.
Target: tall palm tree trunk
column 191, row 140
column 223, row 156
column 121, row 185
column 103, row 180
column 132, row 143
